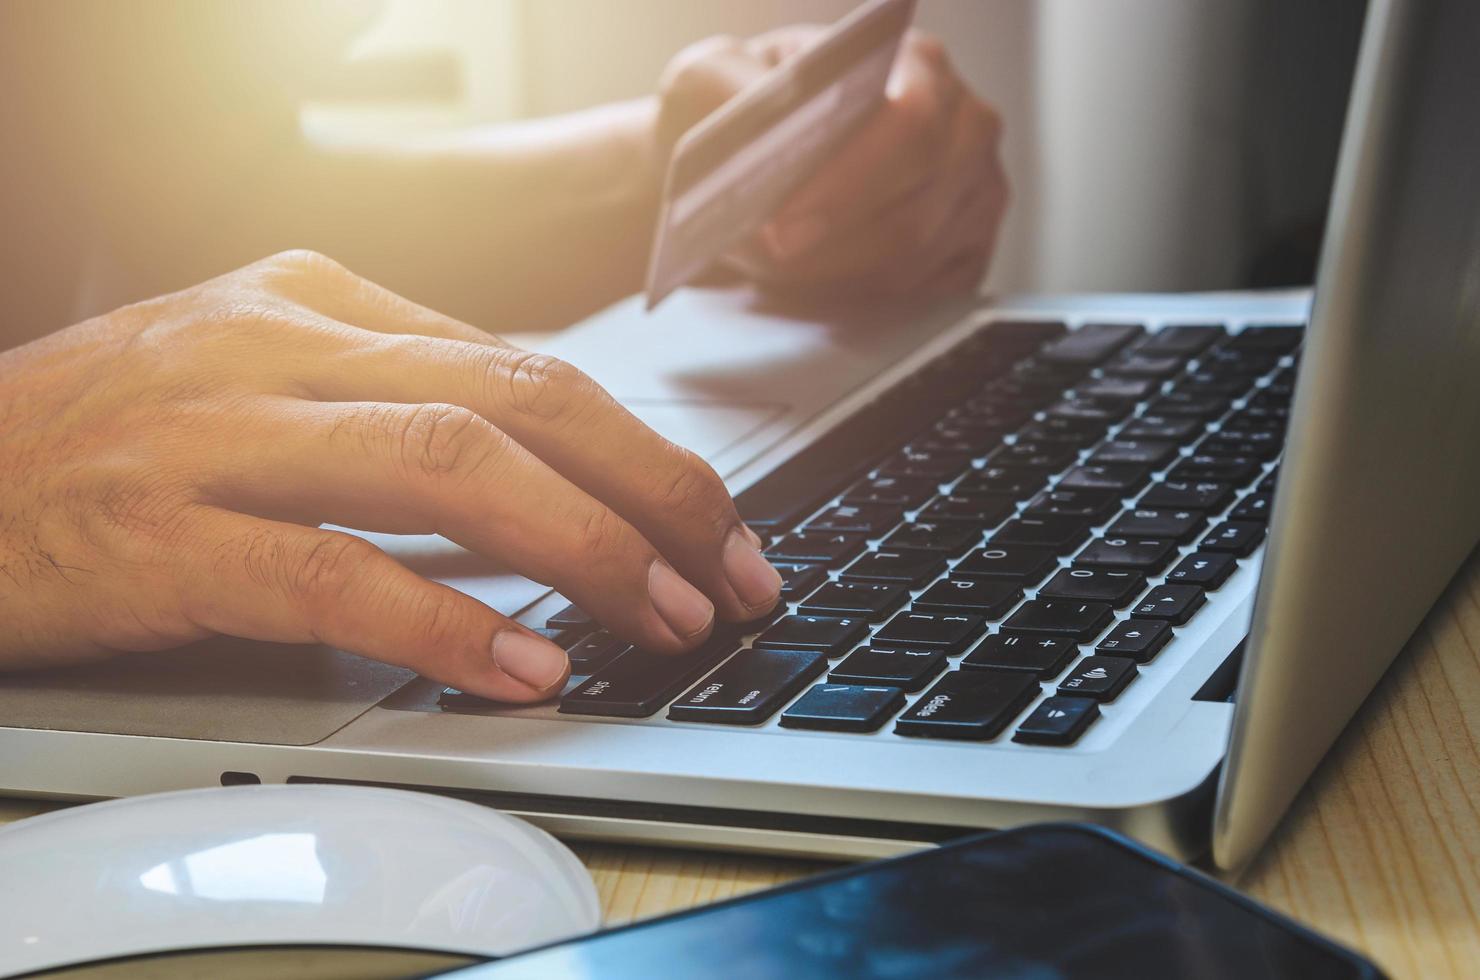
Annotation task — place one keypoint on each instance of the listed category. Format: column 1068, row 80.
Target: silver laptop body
column 1378, row 504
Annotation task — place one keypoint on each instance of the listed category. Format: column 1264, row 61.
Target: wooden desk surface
column 1381, row 851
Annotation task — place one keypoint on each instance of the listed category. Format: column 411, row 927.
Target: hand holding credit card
column 731, row 171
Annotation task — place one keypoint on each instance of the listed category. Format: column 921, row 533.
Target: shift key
column 749, row 688
column 638, row 683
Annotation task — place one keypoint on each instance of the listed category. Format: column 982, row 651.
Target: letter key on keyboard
column 638, row 683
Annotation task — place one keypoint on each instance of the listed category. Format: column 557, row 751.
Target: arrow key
column 1174, row 603
column 1057, row 721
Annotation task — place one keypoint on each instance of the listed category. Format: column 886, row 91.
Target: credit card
column 732, row 171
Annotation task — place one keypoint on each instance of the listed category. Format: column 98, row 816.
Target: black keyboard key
column 907, row 668
column 843, row 708
column 1057, row 534
column 571, row 617
column 1213, row 384
column 1101, row 678
column 1237, row 470
column 638, row 683
column 1057, row 721
column 1188, row 495
column 1263, row 444
column 1281, row 339
column 1020, row 563
column 1229, row 360
column 1117, row 587
column 831, row 635
column 964, row 436
column 1068, row 432
column 898, row 491
column 969, row 704
column 1204, row 569
column 1181, row 341
column 1157, row 522
column 1149, row 555
column 593, row 652
column 952, row 632
column 817, row 547
column 1134, row 364
column 1090, row 344
column 1041, row 656
column 978, row 596
column 1122, row 478
column 1018, row 337
column 565, row 638
column 988, row 416
column 1173, row 603
column 928, row 465
column 749, row 687
column 1049, row 456
column 867, row 519
column 1250, row 420
column 1104, row 412
column 1255, row 507
column 1071, row 618
column 1188, row 405
column 1234, row 537
column 1110, row 386
column 798, row 578
column 1180, row 431
column 1092, row 506
column 980, row 510
column 866, row 600
column 1150, row 453
column 1016, row 482
column 1139, row 639
column 944, row 539
column 912, row 567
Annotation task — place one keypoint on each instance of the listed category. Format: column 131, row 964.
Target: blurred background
column 1152, row 144
column 151, row 144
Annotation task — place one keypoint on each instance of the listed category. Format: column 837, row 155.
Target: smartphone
column 1050, row 901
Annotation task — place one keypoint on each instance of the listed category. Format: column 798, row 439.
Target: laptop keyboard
column 1003, row 537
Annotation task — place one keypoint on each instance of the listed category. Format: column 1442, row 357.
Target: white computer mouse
column 283, row 865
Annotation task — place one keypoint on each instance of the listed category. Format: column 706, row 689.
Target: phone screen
column 1048, row 902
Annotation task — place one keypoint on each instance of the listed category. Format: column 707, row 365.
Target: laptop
column 1131, row 559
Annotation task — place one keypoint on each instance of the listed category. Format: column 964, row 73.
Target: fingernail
column 788, row 237
column 529, row 659
column 755, row 539
column 754, row 580
column 682, row 606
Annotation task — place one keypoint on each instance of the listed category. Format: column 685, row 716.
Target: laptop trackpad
column 226, row 690
column 704, row 427
column 240, row 691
